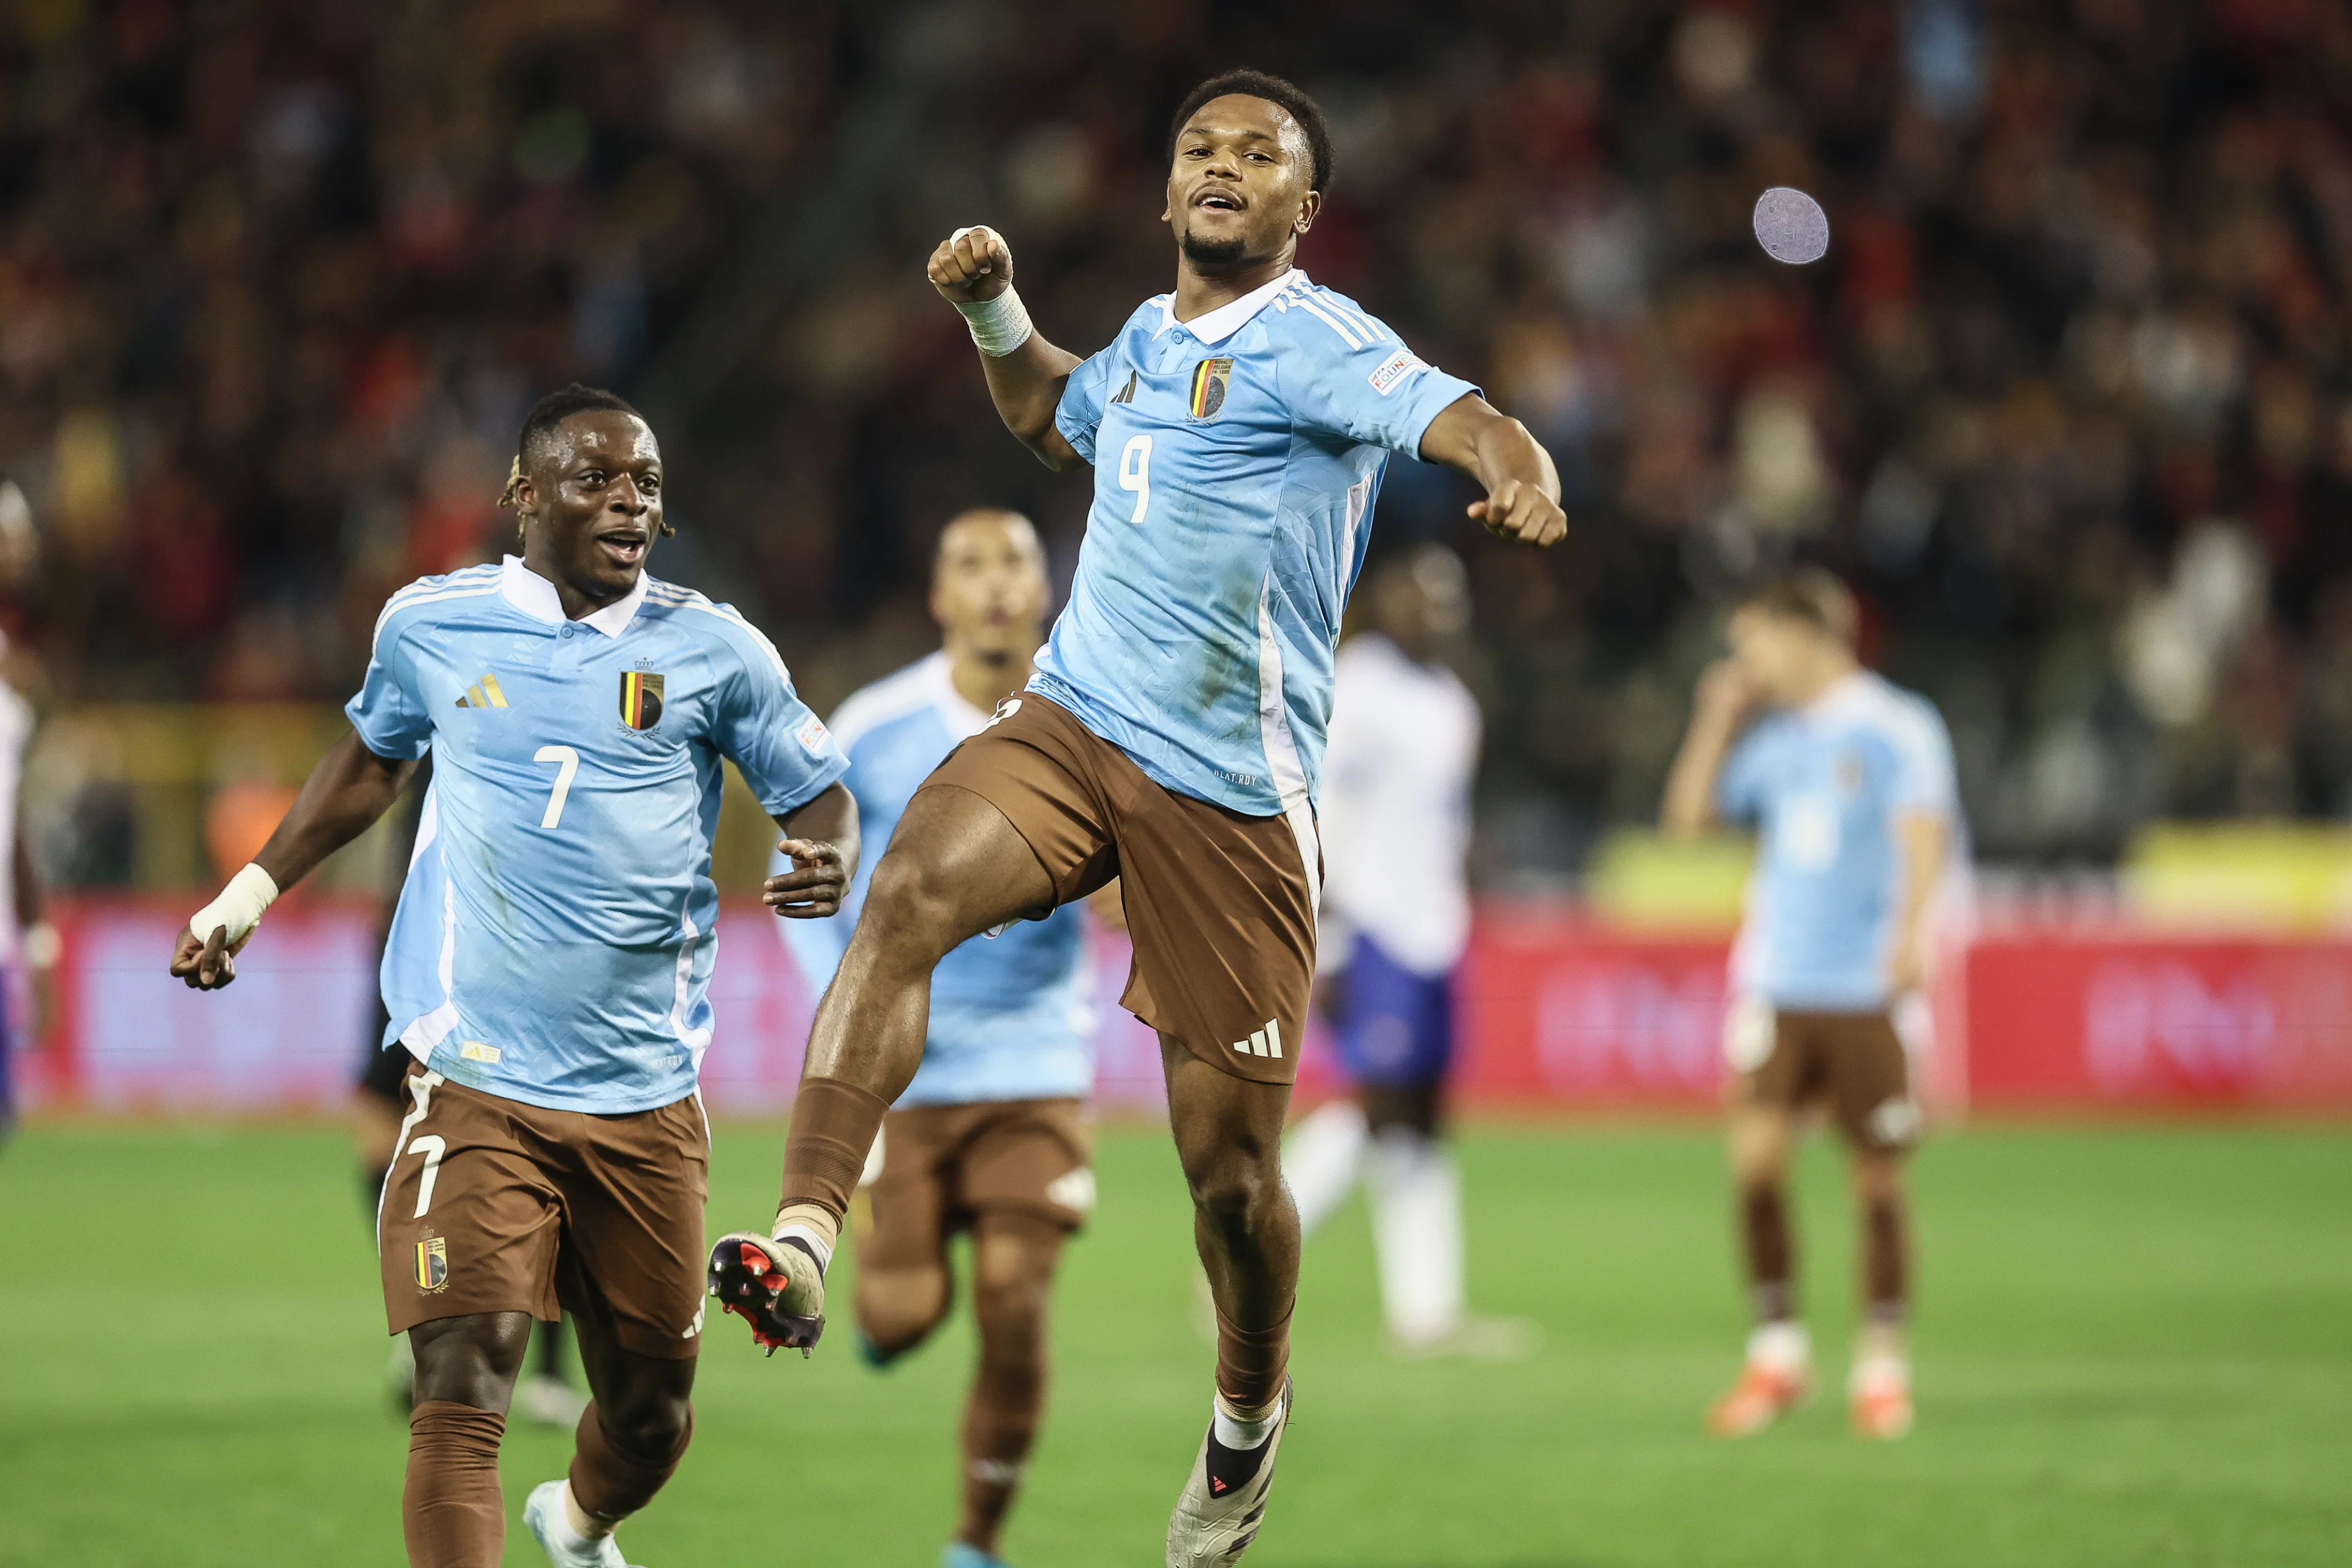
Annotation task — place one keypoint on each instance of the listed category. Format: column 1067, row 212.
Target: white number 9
column 1134, row 473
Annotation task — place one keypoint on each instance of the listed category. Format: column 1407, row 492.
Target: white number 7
column 432, row 1149
column 571, row 760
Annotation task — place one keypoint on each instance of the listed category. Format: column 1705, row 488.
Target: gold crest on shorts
column 432, row 1264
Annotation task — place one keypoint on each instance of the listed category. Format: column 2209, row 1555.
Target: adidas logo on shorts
column 1265, row 1042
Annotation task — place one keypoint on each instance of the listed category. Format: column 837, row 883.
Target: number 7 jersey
column 1237, row 457
column 556, row 935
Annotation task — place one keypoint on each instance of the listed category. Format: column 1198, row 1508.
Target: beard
column 1211, row 252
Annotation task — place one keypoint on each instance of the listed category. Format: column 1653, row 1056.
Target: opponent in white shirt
column 1396, row 793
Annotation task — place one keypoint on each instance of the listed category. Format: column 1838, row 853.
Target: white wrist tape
column 238, row 907
column 999, row 325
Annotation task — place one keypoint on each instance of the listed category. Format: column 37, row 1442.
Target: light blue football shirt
column 1012, row 1018
column 556, row 935
column 1237, row 457
column 1826, row 785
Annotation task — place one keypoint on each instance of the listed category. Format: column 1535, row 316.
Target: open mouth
column 1218, row 201
column 624, row 549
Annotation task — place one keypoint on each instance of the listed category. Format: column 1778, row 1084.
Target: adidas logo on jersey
column 1126, row 392
column 1265, row 1042
column 484, row 693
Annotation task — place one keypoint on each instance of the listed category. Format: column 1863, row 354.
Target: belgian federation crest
column 431, row 1263
column 641, row 698
column 1211, row 378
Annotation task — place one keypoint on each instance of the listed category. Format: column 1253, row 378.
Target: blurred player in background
column 28, row 943
column 1172, row 736
column 1849, row 781
column 546, row 1397
column 992, row 1136
column 1396, row 917
column 550, row 964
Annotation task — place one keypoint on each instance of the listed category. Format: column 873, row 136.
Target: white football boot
column 1224, row 1501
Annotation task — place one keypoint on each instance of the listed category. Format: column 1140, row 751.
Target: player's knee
column 1233, row 1189
column 1009, row 1285
column 470, row 1360
column 913, row 907
column 652, row 1426
column 898, row 1308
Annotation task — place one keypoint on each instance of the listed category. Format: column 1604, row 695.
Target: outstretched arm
column 972, row 270
column 350, row 788
column 822, row 839
column 1522, row 485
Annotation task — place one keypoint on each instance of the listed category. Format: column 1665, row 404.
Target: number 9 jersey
column 556, row 933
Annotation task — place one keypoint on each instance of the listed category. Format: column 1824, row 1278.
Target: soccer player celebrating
column 1850, row 780
column 1403, row 747
column 549, row 964
column 992, row 1136
column 1173, row 735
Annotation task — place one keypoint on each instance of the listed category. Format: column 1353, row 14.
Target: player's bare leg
column 955, row 869
column 1229, row 1139
column 1778, row 1372
column 452, row 1511
column 628, row 1444
column 1880, row 1386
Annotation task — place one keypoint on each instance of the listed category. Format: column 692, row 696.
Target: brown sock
column 1885, row 1258
column 451, row 1512
column 1764, row 1233
column 1251, row 1362
column 611, row 1482
column 1012, row 1269
column 833, row 1129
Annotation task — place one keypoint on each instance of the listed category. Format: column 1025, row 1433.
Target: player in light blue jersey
column 549, row 965
column 993, row 1135
column 1849, row 782
column 1238, row 426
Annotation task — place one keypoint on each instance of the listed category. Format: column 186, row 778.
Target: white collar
column 1215, row 326
column 1838, row 696
column 956, row 712
column 535, row 597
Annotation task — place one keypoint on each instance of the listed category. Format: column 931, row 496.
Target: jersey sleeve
column 388, row 712
column 1081, row 408
column 1926, row 779
column 1358, row 381
column 784, row 751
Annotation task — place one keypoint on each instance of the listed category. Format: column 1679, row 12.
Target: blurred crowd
column 2069, row 401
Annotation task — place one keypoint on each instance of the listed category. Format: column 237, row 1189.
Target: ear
column 1308, row 206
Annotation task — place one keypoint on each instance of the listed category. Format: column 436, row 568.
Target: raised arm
column 1723, row 699
column 972, row 270
column 1522, row 485
column 350, row 788
column 822, row 839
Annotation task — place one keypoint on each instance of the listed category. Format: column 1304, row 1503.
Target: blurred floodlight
column 1792, row 227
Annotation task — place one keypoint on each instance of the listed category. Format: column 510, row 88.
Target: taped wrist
column 833, row 1124
column 999, row 325
column 238, row 907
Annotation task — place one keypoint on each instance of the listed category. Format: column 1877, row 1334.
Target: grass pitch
column 2135, row 1347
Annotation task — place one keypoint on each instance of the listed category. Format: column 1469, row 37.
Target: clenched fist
column 1518, row 510
column 972, row 266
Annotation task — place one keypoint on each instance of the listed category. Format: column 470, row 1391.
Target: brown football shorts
column 1855, row 1061
column 1221, row 907
column 941, row 1165
column 497, row 1206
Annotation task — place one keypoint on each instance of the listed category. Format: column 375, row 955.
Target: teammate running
column 1404, row 748
column 1172, row 736
column 549, row 965
column 1850, row 781
column 992, row 1137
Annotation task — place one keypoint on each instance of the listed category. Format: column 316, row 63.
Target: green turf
column 2135, row 1347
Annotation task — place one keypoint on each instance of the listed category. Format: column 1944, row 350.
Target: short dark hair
column 1288, row 97
column 1807, row 594
column 561, row 404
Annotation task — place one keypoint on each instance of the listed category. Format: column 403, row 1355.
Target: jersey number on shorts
column 1134, row 473
column 431, row 1147
column 570, row 760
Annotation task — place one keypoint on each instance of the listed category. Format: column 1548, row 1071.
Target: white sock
column 1320, row 1161
column 1235, row 1433
column 1783, row 1346
column 1416, row 1193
